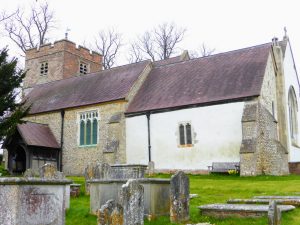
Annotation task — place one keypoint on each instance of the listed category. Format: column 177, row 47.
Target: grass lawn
column 211, row 189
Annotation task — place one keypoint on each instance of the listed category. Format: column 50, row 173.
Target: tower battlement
column 57, row 61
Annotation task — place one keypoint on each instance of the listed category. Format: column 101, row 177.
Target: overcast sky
column 221, row 24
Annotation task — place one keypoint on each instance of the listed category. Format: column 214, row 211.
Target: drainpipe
column 149, row 136
column 62, row 113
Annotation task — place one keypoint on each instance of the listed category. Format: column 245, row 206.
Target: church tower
column 58, row 61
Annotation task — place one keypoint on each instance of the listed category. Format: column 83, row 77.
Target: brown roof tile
column 107, row 85
column 35, row 134
column 225, row 76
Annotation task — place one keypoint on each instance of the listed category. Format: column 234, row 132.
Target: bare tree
column 159, row 43
column 135, row 54
column 204, row 51
column 29, row 31
column 5, row 16
column 108, row 44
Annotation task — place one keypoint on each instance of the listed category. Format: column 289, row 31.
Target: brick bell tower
column 58, row 61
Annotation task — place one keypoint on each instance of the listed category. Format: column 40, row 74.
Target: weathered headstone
column 179, row 197
column 49, row 171
column 98, row 170
column 151, row 168
column 274, row 214
column 117, row 215
column 132, row 198
column 111, row 213
column 102, row 171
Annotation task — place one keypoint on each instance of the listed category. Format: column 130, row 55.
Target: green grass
column 3, row 171
column 211, row 189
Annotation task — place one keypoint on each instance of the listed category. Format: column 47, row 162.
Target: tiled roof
column 35, row 134
column 225, row 76
column 107, row 85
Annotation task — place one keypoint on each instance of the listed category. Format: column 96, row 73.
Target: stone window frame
column 44, row 68
column 293, row 117
column 85, row 116
column 185, row 138
column 84, row 68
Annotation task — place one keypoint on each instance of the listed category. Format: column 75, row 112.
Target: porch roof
column 36, row 134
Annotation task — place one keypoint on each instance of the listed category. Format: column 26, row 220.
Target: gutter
column 149, row 136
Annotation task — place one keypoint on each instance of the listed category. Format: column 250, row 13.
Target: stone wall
column 111, row 138
column 261, row 152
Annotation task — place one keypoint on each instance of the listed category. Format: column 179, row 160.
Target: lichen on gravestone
column 111, row 213
column 179, row 197
column 103, row 171
column 132, row 197
column 49, row 171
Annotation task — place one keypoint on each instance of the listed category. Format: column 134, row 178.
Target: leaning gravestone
column 132, row 198
column 274, row 214
column 179, row 197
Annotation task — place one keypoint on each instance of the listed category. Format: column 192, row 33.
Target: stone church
column 181, row 113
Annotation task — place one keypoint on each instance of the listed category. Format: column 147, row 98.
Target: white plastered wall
column 291, row 80
column 217, row 136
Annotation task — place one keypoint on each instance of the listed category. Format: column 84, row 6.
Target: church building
column 180, row 113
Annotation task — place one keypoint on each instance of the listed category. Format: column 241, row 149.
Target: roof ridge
column 215, row 55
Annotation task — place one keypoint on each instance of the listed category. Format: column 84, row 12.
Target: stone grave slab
column 287, row 201
column 239, row 210
column 277, row 197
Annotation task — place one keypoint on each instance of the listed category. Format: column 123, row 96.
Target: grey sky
column 223, row 25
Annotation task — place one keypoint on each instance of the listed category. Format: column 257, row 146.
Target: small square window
column 83, row 68
column 44, row 68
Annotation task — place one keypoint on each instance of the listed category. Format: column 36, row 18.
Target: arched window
column 88, row 132
column 293, row 110
column 185, row 135
column 181, row 134
column 88, row 129
column 95, row 131
column 82, row 131
column 188, row 134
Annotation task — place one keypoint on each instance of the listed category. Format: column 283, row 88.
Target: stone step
column 287, row 201
column 239, row 210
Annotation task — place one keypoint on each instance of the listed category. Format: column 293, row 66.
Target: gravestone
column 151, row 168
column 274, row 214
column 88, row 175
column 111, row 213
column 179, row 197
column 102, row 171
column 92, row 171
column 132, row 199
column 49, row 171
